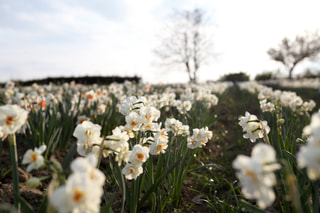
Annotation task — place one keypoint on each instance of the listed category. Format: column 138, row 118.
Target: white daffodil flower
column 133, row 121
column 256, row 174
column 34, row 158
column 87, row 166
column 139, row 154
column 12, row 118
column 199, row 138
column 309, row 155
column 132, row 171
column 158, row 147
column 79, row 194
column 88, row 135
column 252, row 127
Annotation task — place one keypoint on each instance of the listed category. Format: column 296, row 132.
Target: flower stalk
column 14, row 164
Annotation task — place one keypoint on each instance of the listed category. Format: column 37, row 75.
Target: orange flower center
column 89, row 96
column 159, row 147
column 140, row 156
column 34, row 157
column 250, row 173
column 133, row 123
column 92, row 174
column 26, row 120
column 77, row 195
column 10, row 120
column 42, row 104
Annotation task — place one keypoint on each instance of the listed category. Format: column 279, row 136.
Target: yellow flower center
column 89, row 132
column 148, row 126
column 159, row 147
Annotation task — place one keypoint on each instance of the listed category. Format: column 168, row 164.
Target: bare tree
column 185, row 42
column 290, row 53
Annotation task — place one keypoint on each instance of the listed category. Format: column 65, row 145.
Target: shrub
column 241, row 76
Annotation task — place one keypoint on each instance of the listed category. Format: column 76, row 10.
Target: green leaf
column 290, row 156
column 107, row 207
column 251, row 208
column 43, row 207
column 27, row 208
column 68, row 158
column 305, row 196
column 157, row 182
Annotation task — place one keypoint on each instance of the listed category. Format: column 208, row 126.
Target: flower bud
column 33, row 182
column 299, row 140
column 280, row 121
column 56, row 166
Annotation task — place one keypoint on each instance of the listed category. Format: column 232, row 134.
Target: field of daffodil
column 216, row 147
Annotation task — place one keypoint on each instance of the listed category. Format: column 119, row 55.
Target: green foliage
column 263, row 76
column 241, row 76
column 310, row 74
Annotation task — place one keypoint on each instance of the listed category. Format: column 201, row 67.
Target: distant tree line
column 80, row 80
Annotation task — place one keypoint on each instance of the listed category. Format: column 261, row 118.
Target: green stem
column 100, row 153
column 123, row 199
column 315, row 196
column 14, row 164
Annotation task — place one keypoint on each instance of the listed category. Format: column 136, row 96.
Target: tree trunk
column 189, row 71
column 291, row 70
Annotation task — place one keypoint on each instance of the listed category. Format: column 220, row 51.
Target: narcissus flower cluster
column 256, row 174
column 146, row 136
column 88, row 135
column 199, row 138
column 309, row 155
column 12, row 118
column 83, row 189
column 252, row 127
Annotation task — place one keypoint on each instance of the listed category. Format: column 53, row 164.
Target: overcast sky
column 49, row 38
